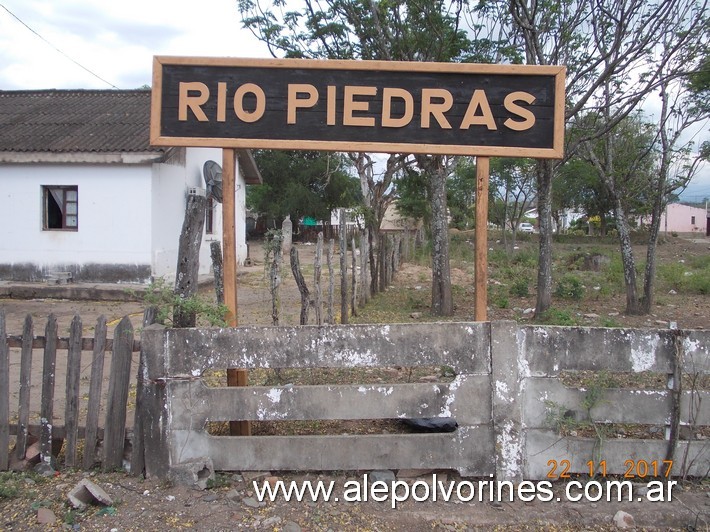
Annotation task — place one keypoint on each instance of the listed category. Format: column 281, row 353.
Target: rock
column 210, row 497
column 613, row 314
column 251, row 502
column 45, row 516
column 591, row 316
column 232, row 495
column 672, row 292
column 415, row 315
column 272, row 480
column 384, row 475
column 290, row 526
column 45, row 469
column 271, row 521
column 194, row 474
column 624, row 520
column 528, row 311
column 249, row 476
column 86, row 493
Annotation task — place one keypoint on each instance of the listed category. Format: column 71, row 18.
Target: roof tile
column 75, row 121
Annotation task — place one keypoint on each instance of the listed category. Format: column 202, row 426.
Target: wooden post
column 117, row 396
column 343, row 269
column 94, row 403
column 47, row 405
column 188, row 263
column 4, row 395
column 481, row 268
column 23, row 414
column 235, row 377
column 71, row 411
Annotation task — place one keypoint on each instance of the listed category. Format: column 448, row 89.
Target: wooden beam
column 481, row 267
column 235, row 377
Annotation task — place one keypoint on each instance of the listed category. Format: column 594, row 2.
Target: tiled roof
column 65, row 121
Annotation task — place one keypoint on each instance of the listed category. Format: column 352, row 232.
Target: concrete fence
column 507, row 398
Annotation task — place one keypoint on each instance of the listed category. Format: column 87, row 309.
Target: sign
column 377, row 106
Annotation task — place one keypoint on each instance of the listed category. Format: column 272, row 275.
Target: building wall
column 129, row 222
column 111, row 242
column 170, row 183
column 680, row 219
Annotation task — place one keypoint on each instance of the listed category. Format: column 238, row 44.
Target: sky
column 114, row 44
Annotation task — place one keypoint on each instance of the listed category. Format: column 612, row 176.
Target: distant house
column 681, row 218
column 83, row 192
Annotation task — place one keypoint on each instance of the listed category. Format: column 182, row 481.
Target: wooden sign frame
column 429, row 108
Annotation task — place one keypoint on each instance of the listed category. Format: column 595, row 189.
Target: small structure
column 680, row 218
column 84, row 193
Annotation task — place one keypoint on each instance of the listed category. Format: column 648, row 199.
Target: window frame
column 65, row 190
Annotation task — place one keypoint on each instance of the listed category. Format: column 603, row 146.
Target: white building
column 82, row 190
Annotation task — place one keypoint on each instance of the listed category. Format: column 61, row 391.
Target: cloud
column 114, row 40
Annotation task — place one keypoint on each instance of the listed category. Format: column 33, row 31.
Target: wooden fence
column 508, row 399
column 21, row 349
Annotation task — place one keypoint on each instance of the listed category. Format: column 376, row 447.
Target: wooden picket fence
column 120, row 349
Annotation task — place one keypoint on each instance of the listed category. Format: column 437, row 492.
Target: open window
column 60, row 208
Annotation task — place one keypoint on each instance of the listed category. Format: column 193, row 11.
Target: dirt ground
column 230, row 503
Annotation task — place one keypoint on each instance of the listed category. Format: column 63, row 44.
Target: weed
column 610, row 323
column 570, row 287
column 519, row 287
column 555, row 316
column 164, row 298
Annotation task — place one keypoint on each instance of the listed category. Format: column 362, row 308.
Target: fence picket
column 48, row 374
column 138, row 457
column 115, row 427
column 94, row 403
column 23, row 414
column 4, row 395
column 71, row 412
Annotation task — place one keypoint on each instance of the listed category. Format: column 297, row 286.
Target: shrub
column 555, row 316
column 520, row 287
column 569, row 287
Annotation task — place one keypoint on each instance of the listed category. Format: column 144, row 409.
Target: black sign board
column 434, row 108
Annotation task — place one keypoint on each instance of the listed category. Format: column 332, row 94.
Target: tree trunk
column 189, row 258
column 300, row 281
column 441, row 298
column 650, row 270
column 217, row 267
column 544, row 215
column 627, row 258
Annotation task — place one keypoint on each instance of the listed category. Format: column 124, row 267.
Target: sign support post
column 235, row 377
column 480, row 309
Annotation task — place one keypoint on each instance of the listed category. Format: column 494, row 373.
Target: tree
column 605, row 44
column 461, row 194
column 624, row 160
column 393, row 30
column 512, row 188
column 301, row 184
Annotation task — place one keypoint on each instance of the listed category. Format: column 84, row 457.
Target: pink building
column 684, row 219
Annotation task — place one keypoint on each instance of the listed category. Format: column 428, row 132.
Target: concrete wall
column 504, row 397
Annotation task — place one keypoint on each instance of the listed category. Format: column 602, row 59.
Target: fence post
column 343, row 269
column 317, row 279
column 4, row 395
column 506, row 354
column 115, row 427
column 152, row 399
column 94, row 405
column 23, row 413
column 47, row 407
column 71, row 411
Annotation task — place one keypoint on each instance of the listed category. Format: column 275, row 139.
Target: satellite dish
column 212, row 173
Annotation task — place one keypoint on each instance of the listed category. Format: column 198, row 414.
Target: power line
column 57, row 49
